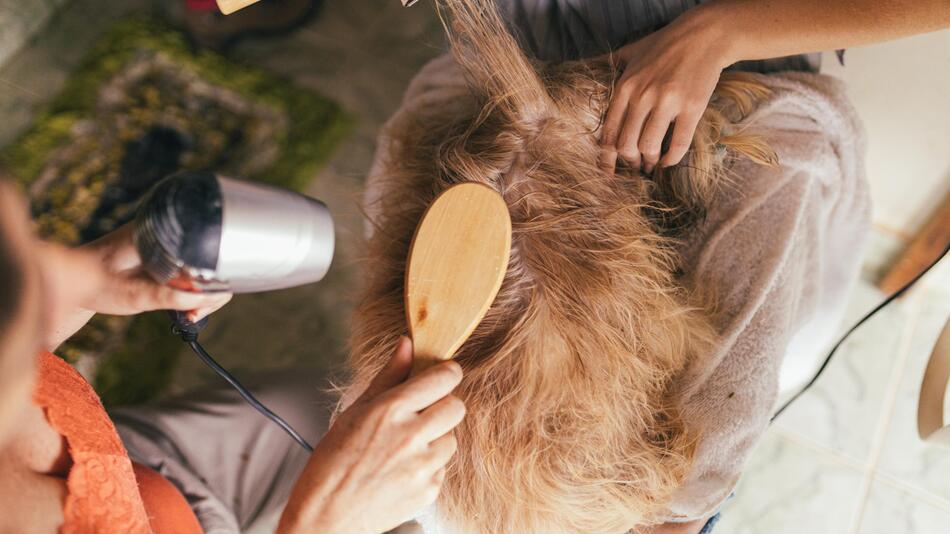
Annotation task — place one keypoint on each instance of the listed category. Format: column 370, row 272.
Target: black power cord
column 857, row 325
column 189, row 334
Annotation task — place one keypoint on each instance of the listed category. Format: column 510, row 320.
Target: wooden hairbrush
column 457, row 261
column 230, row 6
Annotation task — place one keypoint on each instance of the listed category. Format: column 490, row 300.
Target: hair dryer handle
column 183, row 327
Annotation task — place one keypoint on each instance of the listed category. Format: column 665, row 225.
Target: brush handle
column 230, row 6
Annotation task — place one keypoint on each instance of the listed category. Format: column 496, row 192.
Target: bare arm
column 692, row 527
column 30, row 502
column 776, row 28
column 34, row 466
column 670, row 75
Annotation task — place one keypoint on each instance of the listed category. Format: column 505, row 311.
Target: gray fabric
column 235, row 468
column 559, row 30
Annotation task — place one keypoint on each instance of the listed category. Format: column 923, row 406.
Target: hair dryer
column 199, row 231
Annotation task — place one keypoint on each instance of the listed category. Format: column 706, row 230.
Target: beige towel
column 781, row 247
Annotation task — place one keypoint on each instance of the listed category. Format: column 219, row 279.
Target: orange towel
column 106, row 493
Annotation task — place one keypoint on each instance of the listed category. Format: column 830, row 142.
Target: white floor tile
column 900, row 90
column 891, row 511
column 792, row 489
column 903, row 455
column 842, row 410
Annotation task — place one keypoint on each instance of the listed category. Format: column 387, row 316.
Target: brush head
column 457, row 261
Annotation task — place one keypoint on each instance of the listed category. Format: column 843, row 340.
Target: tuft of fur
column 570, row 381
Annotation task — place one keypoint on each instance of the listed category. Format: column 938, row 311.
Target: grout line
column 917, row 493
column 816, row 447
column 914, row 306
column 904, row 236
column 22, row 89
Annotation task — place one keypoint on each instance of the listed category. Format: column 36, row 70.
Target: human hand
column 667, row 81
column 106, row 276
column 130, row 290
column 384, row 458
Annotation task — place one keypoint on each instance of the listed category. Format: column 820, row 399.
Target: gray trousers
column 235, row 468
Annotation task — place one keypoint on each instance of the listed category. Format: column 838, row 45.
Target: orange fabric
column 167, row 509
column 103, row 493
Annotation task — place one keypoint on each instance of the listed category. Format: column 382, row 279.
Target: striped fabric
column 558, row 30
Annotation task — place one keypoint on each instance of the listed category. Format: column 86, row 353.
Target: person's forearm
column 760, row 29
column 66, row 327
column 692, row 527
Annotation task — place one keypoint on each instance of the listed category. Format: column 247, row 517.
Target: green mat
column 144, row 105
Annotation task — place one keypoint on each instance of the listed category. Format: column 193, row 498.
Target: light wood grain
column 457, row 261
column 925, row 248
column 930, row 422
column 230, row 6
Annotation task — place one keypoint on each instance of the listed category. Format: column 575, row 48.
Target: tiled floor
column 902, row 90
column 844, row 460
column 19, row 19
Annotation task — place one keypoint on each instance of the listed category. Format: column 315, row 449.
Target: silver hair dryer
column 199, row 231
